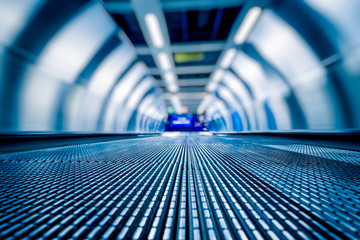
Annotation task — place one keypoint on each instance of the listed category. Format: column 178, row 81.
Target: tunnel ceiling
column 250, row 64
column 197, row 30
column 245, row 65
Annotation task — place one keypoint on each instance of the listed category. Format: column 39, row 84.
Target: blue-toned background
column 89, row 66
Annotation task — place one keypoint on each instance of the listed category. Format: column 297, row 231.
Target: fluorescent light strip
column 228, row 58
column 217, row 75
column 152, row 24
column 164, row 61
column 203, row 105
column 211, row 87
column 172, row 87
column 247, row 25
column 169, row 77
column 175, row 101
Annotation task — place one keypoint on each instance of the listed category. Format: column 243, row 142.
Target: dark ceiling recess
column 187, row 76
column 194, row 76
column 130, row 25
column 204, row 25
column 148, row 60
column 192, row 89
column 227, row 21
column 185, row 26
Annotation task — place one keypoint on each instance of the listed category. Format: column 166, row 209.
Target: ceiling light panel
column 247, row 25
column 169, row 77
column 172, row 87
column 150, row 16
column 164, row 61
column 218, row 75
column 153, row 26
column 211, row 87
column 228, row 58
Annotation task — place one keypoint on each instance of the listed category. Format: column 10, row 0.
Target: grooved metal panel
column 185, row 187
column 324, row 152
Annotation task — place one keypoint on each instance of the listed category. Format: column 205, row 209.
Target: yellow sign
column 188, row 57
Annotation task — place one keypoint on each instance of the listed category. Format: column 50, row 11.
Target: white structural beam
column 190, row 82
column 187, row 95
column 175, row 101
column 152, row 22
column 205, row 103
column 188, row 47
column 239, row 32
column 175, row 5
column 187, row 69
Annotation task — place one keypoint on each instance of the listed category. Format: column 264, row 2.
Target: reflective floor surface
column 181, row 186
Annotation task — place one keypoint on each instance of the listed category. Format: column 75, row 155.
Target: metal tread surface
column 184, row 187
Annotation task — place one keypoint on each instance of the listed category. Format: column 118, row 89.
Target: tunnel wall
column 299, row 69
column 66, row 66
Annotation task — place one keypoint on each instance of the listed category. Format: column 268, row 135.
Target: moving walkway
column 184, row 186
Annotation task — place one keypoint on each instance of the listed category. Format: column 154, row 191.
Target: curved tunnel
column 69, row 67
column 295, row 68
column 180, row 119
column 66, row 66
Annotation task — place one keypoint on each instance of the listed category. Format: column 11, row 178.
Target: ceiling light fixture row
column 164, row 60
column 246, row 26
column 153, row 25
column 240, row 37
